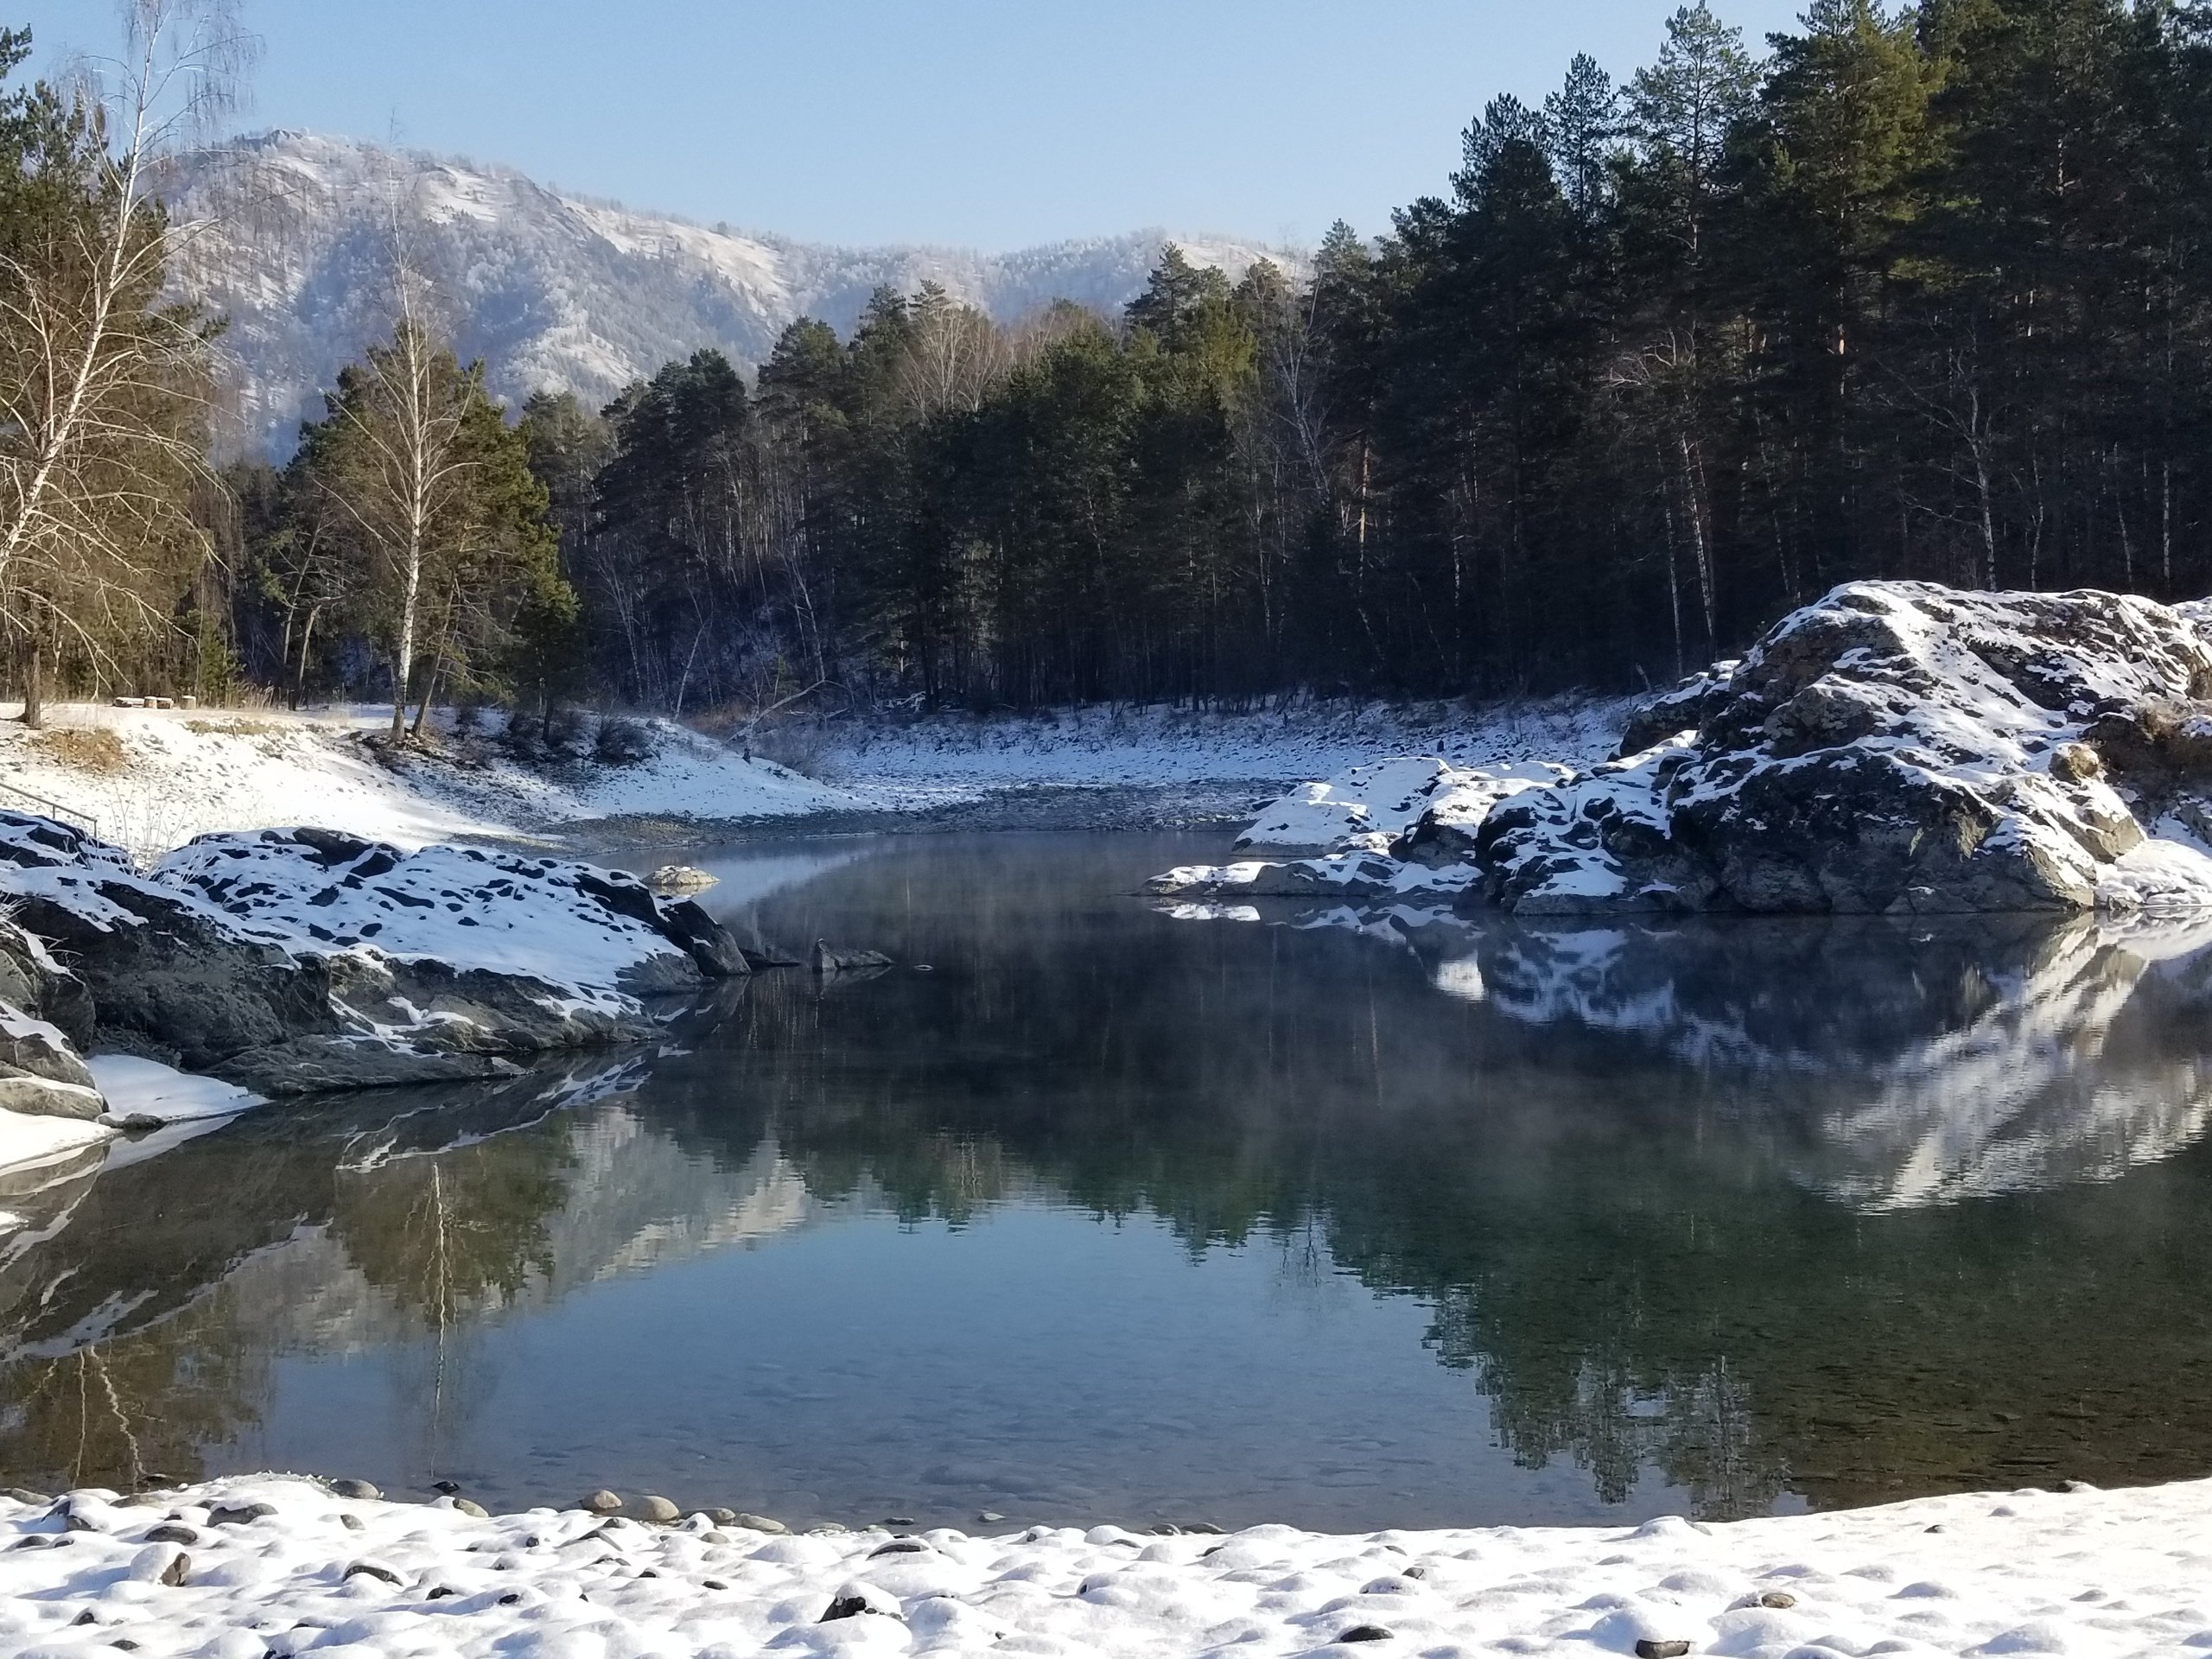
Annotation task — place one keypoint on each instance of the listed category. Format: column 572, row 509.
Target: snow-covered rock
column 1898, row 745
column 1895, row 747
column 294, row 960
column 603, row 931
column 1370, row 806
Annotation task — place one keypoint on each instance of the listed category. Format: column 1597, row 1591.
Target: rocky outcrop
column 1895, row 748
column 302, row 959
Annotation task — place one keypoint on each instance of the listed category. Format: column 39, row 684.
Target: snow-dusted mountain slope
column 552, row 290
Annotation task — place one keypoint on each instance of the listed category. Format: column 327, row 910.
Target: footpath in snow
column 241, row 1568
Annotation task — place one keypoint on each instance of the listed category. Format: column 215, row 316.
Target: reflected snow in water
column 1144, row 1213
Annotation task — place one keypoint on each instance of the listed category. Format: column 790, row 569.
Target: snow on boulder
column 1387, row 798
column 296, row 960
column 602, row 933
column 1896, row 746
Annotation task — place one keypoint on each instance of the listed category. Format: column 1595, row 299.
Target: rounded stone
column 760, row 1523
column 658, row 1511
column 470, row 1506
column 355, row 1488
column 602, row 1501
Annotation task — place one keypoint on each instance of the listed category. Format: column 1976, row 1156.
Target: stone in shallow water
column 658, row 1511
column 602, row 1501
column 356, row 1489
column 759, row 1522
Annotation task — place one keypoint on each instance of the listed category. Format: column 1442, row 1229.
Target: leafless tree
column 102, row 384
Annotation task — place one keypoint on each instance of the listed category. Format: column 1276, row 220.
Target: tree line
column 1912, row 291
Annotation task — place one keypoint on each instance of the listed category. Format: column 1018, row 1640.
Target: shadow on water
column 1111, row 1215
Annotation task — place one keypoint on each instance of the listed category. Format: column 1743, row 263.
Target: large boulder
column 302, row 959
column 1896, row 747
column 505, row 912
column 164, row 969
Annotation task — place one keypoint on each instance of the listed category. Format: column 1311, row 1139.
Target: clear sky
column 991, row 124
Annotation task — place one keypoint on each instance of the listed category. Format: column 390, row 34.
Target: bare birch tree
column 102, row 430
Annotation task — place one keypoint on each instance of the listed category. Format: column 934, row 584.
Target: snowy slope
column 551, row 290
column 154, row 780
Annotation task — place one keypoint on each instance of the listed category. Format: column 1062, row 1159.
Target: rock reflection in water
column 1118, row 1216
column 1902, row 1061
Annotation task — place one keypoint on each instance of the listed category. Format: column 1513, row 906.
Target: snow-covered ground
column 278, row 1566
column 1166, row 746
column 152, row 780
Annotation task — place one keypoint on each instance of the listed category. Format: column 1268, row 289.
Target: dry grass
column 87, row 750
column 234, row 728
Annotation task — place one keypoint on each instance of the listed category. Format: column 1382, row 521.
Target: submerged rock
column 823, row 960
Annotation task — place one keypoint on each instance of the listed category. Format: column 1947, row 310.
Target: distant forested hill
column 554, row 292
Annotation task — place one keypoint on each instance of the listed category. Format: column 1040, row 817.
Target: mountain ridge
column 553, row 289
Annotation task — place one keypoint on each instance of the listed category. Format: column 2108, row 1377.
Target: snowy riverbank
column 154, row 780
column 210, row 1570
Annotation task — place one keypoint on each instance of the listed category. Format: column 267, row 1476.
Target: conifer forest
column 1914, row 292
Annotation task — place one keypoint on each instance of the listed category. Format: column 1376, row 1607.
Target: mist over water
column 1114, row 1216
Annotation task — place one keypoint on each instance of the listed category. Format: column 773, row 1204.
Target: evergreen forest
column 1911, row 292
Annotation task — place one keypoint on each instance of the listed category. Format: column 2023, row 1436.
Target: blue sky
column 991, row 124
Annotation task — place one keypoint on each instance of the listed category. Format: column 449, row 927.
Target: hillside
column 552, row 290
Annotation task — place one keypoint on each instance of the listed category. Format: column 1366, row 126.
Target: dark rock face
column 45, row 1016
column 32, row 981
column 165, row 970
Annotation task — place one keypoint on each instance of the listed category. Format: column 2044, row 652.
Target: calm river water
column 1116, row 1214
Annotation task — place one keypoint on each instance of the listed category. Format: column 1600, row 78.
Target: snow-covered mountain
column 292, row 235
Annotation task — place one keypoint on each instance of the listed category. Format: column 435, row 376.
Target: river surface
column 1123, row 1212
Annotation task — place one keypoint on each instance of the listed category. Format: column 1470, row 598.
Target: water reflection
column 1115, row 1214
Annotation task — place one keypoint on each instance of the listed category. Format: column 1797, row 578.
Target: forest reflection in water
column 1115, row 1216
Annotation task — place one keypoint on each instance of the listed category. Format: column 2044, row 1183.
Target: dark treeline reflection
column 1843, row 1208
